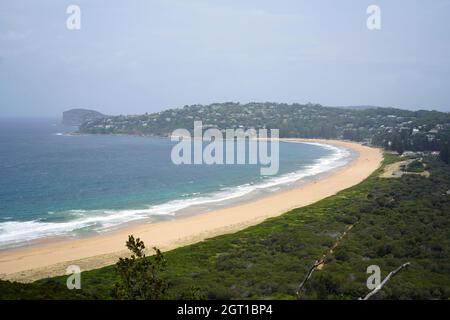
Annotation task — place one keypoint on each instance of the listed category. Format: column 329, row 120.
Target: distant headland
column 76, row 117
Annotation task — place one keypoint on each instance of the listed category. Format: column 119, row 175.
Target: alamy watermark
column 73, row 22
column 374, row 280
column 191, row 150
column 74, row 278
column 374, row 19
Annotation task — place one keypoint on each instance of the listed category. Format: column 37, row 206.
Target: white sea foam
column 13, row 233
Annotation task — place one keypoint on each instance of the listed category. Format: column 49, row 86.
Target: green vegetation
column 51, row 289
column 390, row 128
column 445, row 151
column 139, row 276
column 394, row 221
column 416, row 166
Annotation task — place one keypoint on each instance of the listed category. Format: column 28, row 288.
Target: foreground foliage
column 139, row 276
column 394, row 221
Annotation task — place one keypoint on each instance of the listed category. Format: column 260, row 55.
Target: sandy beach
column 52, row 258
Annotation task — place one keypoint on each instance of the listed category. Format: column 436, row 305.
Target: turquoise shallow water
column 55, row 184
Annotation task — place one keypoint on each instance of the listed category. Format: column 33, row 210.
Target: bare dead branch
column 308, row 275
column 322, row 260
column 389, row 276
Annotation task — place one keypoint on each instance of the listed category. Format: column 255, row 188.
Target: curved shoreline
column 51, row 259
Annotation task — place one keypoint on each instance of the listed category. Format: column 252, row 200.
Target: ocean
column 55, row 184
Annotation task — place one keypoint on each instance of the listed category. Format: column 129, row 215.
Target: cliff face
column 76, row 117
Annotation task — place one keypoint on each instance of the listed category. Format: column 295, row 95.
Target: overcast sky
column 141, row 56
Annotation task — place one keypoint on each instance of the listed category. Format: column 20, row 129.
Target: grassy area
column 395, row 221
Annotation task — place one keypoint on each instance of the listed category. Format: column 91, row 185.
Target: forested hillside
column 393, row 129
